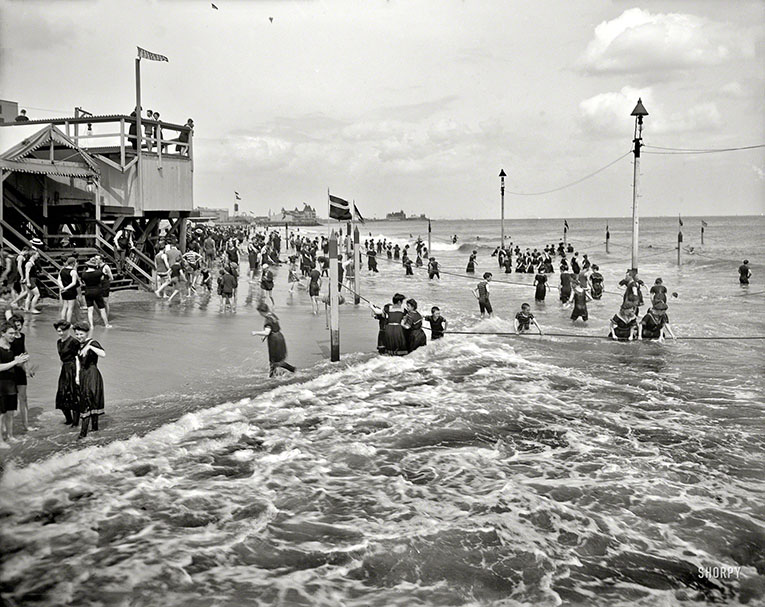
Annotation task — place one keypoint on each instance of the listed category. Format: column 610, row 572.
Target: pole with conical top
column 430, row 229
column 637, row 139
column 502, row 176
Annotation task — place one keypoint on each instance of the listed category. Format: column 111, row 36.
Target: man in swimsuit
column 481, row 293
column 658, row 292
column 744, row 273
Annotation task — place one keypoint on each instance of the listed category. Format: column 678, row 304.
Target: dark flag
column 680, row 220
column 339, row 209
column 430, row 229
column 608, row 234
column 144, row 54
column 704, row 224
column 356, row 211
column 238, row 197
column 565, row 225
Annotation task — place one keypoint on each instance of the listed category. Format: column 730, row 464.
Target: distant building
column 217, row 215
column 401, row 216
column 8, row 111
column 304, row 217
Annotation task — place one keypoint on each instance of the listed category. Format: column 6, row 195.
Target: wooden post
column 122, row 143
column 2, row 207
column 702, row 233
column 348, row 240
column 565, row 241
column 45, row 210
column 356, row 266
column 430, row 229
column 608, row 237
column 334, row 313
column 138, row 130
column 182, row 234
column 679, row 245
column 98, row 210
column 286, row 236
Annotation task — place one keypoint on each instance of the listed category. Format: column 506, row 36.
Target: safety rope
column 577, row 336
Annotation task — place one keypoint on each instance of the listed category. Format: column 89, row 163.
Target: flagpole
column 702, row 233
column 608, row 237
column 138, row 129
column 565, row 238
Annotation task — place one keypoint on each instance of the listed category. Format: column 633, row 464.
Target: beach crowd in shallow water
column 211, row 264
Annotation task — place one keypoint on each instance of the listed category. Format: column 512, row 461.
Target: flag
column 238, row 197
column 680, row 220
column 144, row 54
column 565, row 225
column 356, row 212
column 430, row 229
column 339, row 209
column 608, row 234
column 704, row 224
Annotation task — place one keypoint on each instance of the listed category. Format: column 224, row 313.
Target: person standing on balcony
column 148, row 130
column 132, row 131
column 184, row 137
column 22, row 117
column 158, row 136
column 123, row 245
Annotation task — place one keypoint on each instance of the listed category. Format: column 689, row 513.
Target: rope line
column 568, row 185
column 701, row 150
column 577, row 336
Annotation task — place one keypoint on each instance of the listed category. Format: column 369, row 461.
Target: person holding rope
column 624, row 323
column 524, row 319
column 437, row 323
column 655, row 324
column 412, row 323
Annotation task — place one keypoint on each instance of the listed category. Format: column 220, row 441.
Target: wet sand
column 165, row 360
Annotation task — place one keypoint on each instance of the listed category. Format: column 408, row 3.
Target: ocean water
column 480, row 470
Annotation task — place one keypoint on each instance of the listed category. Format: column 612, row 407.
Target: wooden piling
column 356, row 266
column 334, row 303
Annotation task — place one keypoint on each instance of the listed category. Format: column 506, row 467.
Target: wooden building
column 73, row 182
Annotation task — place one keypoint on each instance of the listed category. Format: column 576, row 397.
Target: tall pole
column 702, row 233
column 138, row 129
column 334, row 315
column 356, row 267
column 638, row 113
column 679, row 244
column 430, row 229
column 502, row 176
column 608, row 237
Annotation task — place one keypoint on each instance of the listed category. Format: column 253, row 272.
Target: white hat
column 36, row 242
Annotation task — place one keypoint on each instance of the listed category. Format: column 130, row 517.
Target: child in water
column 524, row 319
column 437, row 323
column 481, row 293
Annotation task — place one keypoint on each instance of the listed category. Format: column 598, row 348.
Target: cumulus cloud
column 608, row 114
column 638, row 41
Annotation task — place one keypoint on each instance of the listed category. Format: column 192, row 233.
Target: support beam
column 3, row 175
column 122, row 144
column 356, row 266
column 98, row 208
column 183, row 222
column 45, row 211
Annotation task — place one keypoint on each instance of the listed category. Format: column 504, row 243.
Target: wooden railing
column 146, row 279
column 22, row 238
column 137, row 253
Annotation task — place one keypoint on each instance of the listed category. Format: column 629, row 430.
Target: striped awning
column 20, row 157
column 47, row 168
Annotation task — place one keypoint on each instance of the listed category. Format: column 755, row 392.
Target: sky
column 417, row 105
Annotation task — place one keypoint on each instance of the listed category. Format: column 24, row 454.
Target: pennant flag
column 680, row 219
column 339, row 209
column 238, row 197
column 356, row 212
column 565, row 225
column 144, row 54
column 608, row 234
column 704, row 224
column 215, row 7
column 430, row 229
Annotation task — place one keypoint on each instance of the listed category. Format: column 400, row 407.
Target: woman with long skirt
column 277, row 347
column 381, row 315
column 66, row 394
column 395, row 338
column 8, row 388
column 89, row 381
column 412, row 323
